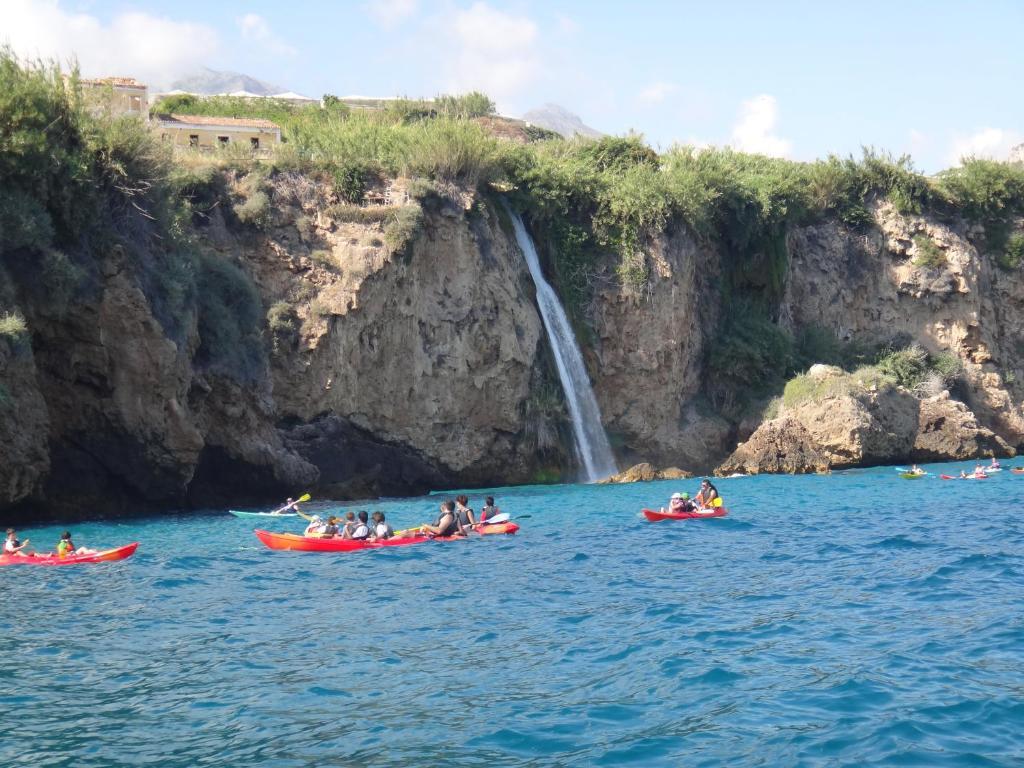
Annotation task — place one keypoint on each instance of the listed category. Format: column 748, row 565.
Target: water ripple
column 856, row 627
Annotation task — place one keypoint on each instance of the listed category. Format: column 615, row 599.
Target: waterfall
column 591, row 442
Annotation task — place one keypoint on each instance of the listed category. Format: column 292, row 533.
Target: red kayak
column 485, row 529
column 969, row 477
column 654, row 516
column 106, row 556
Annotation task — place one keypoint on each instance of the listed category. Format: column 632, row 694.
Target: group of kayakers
column 706, row 498
column 981, row 471
column 455, row 518
column 65, row 547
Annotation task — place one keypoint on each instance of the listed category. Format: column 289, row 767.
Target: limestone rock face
column 649, row 355
column 642, row 473
column 876, row 427
column 949, row 431
column 782, row 446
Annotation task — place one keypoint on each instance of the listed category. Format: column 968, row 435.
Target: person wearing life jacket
column 994, row 464
column 329, row 530
column 679, row 503
column 462, row 509
column 361, row 529
column 14, row 547
column 380, row 529
column 707, row 494
column 67, row 547
column 488, row 510
column 447, row 522
column 916, row 470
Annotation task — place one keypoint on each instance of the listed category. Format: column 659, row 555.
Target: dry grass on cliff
column 12, row 325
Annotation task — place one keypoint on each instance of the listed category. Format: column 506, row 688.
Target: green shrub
column 1012, row 255
column 283, row 324
column 12, row 325
column 985, row 190
column 907, row 367
column 544, row 415
column 325, row 259
column 360, row 214
column 230, row 319
column 928, row 253
column 254, row 211
column 402, row 227
column 749, row 355
column 804, row 387
column 61, row 277
column 947, row 365
column 467, row 105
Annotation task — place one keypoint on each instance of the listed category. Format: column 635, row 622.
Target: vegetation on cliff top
column 77, row 179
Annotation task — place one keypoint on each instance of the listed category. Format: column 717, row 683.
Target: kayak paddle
column 304, row 497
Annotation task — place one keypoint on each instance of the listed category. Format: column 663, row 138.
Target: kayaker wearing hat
column 679, row 503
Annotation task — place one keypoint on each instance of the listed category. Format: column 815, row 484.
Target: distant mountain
column 560, row 120
column 208, row 80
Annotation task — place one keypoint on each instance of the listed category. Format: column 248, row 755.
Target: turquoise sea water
column 837, row 620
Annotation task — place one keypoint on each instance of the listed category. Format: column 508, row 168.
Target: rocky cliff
column 398, row 349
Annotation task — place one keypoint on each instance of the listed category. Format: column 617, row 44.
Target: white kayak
column 238, row 513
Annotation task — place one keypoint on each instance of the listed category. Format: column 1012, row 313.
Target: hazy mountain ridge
column 560, row 120
column 211, row 81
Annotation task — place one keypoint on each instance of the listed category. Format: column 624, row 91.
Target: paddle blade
column 304, row 497
column 503, row 517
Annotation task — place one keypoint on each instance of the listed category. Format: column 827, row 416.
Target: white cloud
column 755, row 129
column 496, row 52
column 566, row 24
column 255, row 28
column 655, row 93
column 391, row 13
column 993, row 143
column 154, row 49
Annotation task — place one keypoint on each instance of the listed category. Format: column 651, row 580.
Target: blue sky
column 800, row 79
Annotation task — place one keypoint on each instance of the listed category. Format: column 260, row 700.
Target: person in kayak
column 14, row 547
column 290, row 504
column 707, row 494
column 679, row 503
column 488, row 510
column 916, row 470
column 361, row 528
column 979, row 471
column 380, row 528
column 466, row 518
column 994, row 464
column 315, row 527
column 67, row 547
column 329, row 529
column 447, row 522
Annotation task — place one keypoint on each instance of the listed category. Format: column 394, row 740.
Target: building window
column 193, row 140
column 223, row 139
column 254, row 142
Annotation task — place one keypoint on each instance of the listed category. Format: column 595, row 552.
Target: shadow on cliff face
column 352, row 464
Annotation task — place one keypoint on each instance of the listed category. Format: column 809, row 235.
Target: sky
column 936, row 80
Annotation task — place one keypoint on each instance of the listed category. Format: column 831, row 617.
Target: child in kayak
column 447, row 522
column 462, row 509
column 14, row 547
column 67, row 547
column 488, row 510
column 330, row 529
column 380, row 529
column 679, row 503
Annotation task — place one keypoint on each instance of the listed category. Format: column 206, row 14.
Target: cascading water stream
column 591, row 441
